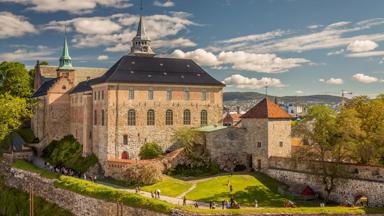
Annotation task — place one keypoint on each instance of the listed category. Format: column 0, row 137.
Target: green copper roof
column 65, row 59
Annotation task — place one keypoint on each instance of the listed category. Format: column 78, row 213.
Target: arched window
column 187, row 117
column 131, row 117
column 124, row 155
column 169, row 117
column 203, row 117
column 151, row 117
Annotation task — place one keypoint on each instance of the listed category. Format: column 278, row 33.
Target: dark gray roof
column 82, row 87
column 44, row 88
column 17, row 142
column 141, row 69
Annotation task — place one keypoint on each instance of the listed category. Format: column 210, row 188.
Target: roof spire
column 141, row 44
column 65, row 59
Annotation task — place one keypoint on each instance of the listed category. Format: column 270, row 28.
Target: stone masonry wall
column 73, row 202
column 346, row 189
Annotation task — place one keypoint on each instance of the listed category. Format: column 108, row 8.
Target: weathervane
column 266, row 89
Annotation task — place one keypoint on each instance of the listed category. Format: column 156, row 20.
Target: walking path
column 173, row 200
column 186, row 192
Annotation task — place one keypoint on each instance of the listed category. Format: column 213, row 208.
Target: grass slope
column 169, row 186
column 246, row 189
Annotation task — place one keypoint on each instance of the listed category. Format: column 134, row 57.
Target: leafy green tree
column 324, row 151
column 188, row 138
column 15, row 79
column 150, row 151
column 13, row 111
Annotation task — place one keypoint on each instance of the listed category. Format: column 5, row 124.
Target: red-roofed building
column 266, row 109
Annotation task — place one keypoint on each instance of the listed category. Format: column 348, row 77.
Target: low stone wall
column 356, row 171
column 73, row 202
column 346, row 190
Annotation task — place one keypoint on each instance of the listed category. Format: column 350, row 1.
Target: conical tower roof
column 266, row 109
column 65, row 59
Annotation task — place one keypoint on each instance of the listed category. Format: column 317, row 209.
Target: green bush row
column 192, row 171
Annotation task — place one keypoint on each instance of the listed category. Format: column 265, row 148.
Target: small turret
column 141, row 44
column 65, row 59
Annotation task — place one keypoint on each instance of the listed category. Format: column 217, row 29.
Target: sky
column 295, row 47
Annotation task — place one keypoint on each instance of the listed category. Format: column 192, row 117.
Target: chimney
column 238, row 109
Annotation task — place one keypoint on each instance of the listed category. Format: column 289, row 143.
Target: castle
column 142, row 98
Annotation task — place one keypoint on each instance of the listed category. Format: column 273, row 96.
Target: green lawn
column 169, row 186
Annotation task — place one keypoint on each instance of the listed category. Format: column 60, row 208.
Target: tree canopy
column 15, row 79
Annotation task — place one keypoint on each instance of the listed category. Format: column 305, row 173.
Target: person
column 184, row 201
column 210, row 205
column 152, row 194
column 229, row 182
column 139, row 188
column 213, row 205
column 95, row 178
column 230, row 188
column 196, row 204
column 227, row 205
column 222, row 204
column 256, row 204
column 158, row 193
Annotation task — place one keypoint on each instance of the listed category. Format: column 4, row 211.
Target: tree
column 325, row 151
column 150, row 151
column 15, row 79
column 188, row 138
column 13, row 111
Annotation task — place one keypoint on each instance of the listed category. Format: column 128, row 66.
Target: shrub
column 150, row 151
column 144, row 174
column 68, row 152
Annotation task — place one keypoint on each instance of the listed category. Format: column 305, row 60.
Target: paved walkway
column 173, row 200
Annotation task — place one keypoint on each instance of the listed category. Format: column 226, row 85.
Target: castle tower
column 141, row 44
column 65, row 68
column 268, row 132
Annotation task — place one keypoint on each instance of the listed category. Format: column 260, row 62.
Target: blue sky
column 296, row 47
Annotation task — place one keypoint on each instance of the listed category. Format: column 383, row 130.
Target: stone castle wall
column 71, row 201
column 362, row 180
column 117, row 105
column 346, row 190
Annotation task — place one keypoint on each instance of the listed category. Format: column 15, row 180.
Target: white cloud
column 102, row 57
column 366, row 54
column 364, row 78
column 239, row 81
column 14, row 26
column 71, row 6
column 314, row 26
column 200, row 56
column 23, row 54
column 299, row 92
column 165, row 3
column 335, row 35
column 336, row 52
column 332, row 81
column 268, row 63
column 116, row 31
column 256, row 37
column 362, row 46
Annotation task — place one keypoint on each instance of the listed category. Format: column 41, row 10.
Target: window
column 102, row 117
column 95, row 118
column 98, row 95
column 281, row 144
column 187, row 117
column 131, row 94
column 150, row 94
column 125, row 139
column 169, row 117
column 186, row 94
column 258, row 144
column 203, row 117
column 151, row 117
column 203, row 95
column 131, row 117
column 102, row 95
column 169, row 94
column 124, row 155
column 94, row 95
